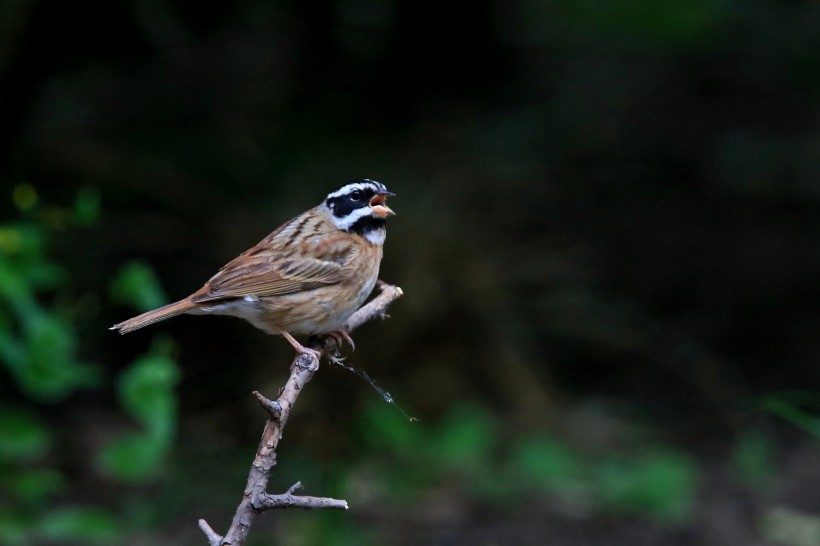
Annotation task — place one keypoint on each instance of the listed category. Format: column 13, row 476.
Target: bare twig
column 377, row 307
column 273, row 407
column 213, row 538
column 289, row 500
column 255, row 498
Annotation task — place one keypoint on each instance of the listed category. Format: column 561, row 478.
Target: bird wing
column 274, row 268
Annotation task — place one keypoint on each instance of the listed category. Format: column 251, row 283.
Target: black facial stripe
column 366, row 224
column 344, row 204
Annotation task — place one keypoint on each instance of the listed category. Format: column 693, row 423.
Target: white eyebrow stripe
column 364, row 184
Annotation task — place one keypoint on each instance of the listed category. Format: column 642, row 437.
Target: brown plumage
column 307, row 277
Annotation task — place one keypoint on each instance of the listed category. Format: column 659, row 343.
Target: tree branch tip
column 382, row 285
column 273, row 407
column 265, row 501
column 213, row 538
column 295, row 487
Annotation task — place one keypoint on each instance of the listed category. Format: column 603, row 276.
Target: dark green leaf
column 79, row 525
column 134, row 458
column 137, row 286
column 87, row 206
column 24, row 437
column 146, row 390
column 33, row 486
column 49, row 372
column 466, row 438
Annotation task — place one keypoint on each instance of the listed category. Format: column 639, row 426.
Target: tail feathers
column 167, row 311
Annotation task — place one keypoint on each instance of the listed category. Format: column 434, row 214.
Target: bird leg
column 301, row 349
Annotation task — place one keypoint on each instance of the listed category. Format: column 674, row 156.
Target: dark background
column 608, row 235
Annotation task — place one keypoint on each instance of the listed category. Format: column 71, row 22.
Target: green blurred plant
column 146, row 392
column 137, row 286
column 469, row 450
column 39, row 346
column 322, row 527
column 753, row 460
column 146, row 389
column 800, row 408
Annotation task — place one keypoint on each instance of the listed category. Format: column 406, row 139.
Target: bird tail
column 167, row 311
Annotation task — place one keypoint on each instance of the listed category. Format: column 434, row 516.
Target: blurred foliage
column 146, row 392
column 37, row 346
column 137, row 286
column 322, row 527
column 39, row 350
column 801, row 409
column 754, row 460
column 468, row 450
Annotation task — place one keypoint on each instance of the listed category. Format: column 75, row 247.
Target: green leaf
column 23, row 260
column 49, row 372
column 11, row 347
column 329, row 528
column 660, row 483
column 25, row 197
column 548, row 464
column 23, row 241
column 24, row 437
column 466, row 438
column 136, row 285
column 87, row 206
column 384, row 427
column 792, row 413
column 81, row 525
column 134, row 458
column 15, row 528
column 15, row 286
column 146, row 390
column 34, row 486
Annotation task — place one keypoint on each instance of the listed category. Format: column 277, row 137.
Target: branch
column 255, row 498
column 289, row 500
column 377, row 307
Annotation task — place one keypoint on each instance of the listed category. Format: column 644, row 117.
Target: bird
column 306, row 278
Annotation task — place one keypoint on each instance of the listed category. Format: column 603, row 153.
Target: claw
column 340, row 336
column 337, row 359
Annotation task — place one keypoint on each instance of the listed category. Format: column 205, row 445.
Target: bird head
column 360, row 207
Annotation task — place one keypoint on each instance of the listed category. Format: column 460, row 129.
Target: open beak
column 378, row 205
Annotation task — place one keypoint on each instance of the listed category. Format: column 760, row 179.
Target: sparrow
column 305, row 278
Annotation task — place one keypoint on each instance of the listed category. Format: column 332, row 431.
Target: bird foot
column 340, row 336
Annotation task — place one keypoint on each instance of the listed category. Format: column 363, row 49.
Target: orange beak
column 379, row 207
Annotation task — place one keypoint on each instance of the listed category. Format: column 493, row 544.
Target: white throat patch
column 376, row 236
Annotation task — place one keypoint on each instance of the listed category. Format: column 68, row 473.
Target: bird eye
column 356, row 195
